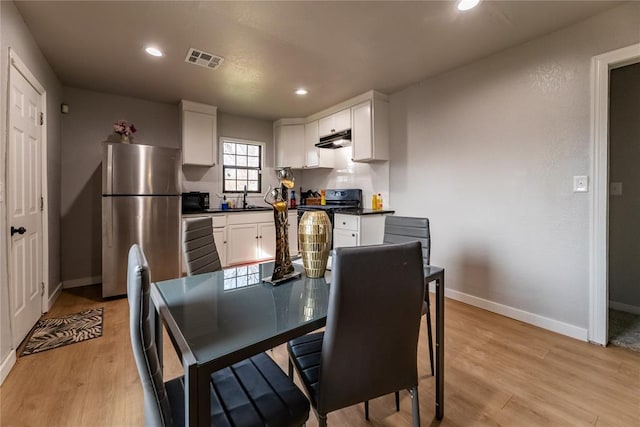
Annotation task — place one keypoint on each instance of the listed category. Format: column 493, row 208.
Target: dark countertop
column 235, row 210
column 366, row 212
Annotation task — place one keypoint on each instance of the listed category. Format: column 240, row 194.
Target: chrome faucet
column 244, row 198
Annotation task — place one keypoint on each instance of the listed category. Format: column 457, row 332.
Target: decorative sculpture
column 277, row 198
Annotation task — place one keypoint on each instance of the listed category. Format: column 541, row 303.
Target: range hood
column 336, row 140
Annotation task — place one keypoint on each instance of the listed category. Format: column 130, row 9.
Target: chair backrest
column 373, row 321
column 402, row 229
column 156, row 404
column 200, row 253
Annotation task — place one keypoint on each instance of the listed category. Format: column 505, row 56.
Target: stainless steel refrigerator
column 140, row 204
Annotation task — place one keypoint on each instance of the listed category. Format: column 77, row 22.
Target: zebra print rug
column 60, row 331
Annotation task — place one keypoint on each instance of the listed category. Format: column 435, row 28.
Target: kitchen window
column 241, row 165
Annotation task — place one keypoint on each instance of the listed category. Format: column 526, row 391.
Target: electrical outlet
column 580, row 184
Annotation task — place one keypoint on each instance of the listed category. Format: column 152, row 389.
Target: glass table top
column 223, row 312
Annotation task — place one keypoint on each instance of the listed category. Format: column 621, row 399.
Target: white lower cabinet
column 243, row 231
column 293, row 232
column 220, row 238
column 246, row 237
column 357, row 230
column 242, row 243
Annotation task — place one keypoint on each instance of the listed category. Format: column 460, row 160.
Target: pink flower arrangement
column 123, row 128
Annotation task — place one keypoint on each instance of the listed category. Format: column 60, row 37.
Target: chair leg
column 366, row 410
column 290, row 369
column 415, row 406
column 430, row 334
column 397, row 401
column 322, row 420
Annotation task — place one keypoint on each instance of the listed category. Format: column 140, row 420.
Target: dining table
column 217, row 319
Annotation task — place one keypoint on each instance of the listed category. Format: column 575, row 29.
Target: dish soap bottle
column 380, row 201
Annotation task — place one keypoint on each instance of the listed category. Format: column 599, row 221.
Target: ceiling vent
column 204, row 59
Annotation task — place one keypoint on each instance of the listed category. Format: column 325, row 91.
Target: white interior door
column 24, row 200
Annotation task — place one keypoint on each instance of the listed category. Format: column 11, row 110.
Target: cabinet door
column 315, row 157
column 343, row 238
column 293, row 233
column 242, row 243
column 361, row 136
column 199, row 134
column 342, row 120
column 267, row 240
column 335, row 123
column 289, row 146
column 311, row 138
column 220, row 237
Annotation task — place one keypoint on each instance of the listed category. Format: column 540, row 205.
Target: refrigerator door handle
column 108, row 221
column 109, row 180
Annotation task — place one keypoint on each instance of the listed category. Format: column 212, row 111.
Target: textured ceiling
column 334, row 49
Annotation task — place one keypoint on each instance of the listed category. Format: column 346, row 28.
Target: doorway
column 624, row 207
column 26, row 190
column 601, row 67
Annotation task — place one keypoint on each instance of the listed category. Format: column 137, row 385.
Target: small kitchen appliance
column 195, row 202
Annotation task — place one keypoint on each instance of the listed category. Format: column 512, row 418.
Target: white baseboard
column 54, row 296
column 524, row 316
column 7, row 364
column 624, row 307
column 83, row 281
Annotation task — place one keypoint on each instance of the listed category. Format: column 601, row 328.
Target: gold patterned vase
column 314, row 234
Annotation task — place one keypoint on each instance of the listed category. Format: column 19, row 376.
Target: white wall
column 488, row 152
column 15, row 34
column 624, row 210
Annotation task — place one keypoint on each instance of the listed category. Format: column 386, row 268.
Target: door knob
column 20, row 230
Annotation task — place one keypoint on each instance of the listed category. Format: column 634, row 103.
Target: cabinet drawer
column 249, row 217
column 219, row 221
column 346, row 222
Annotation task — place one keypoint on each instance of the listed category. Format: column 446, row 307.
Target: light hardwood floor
column 498, row 372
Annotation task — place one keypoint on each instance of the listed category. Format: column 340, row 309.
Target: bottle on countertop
column 323, row 200
column 292, row 201
column 374, row 202
column 380, row 204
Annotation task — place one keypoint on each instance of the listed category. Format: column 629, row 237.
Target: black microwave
column 195, row 201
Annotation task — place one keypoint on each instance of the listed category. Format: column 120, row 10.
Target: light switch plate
column 580, row 184
column 615, row 189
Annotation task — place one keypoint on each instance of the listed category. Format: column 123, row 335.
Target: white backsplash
column 372, row 178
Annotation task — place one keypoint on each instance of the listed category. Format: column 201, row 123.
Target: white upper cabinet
column 289, row 142
column 199, row 129
column 334, row 123
column 315, row 157
column 370, row 131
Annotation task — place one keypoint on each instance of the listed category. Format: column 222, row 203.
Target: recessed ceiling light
column 153, row 51
column 467, row 4
column 301, row 92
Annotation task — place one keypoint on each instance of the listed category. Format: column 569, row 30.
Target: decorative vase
column 314, row 234
column 124, row 139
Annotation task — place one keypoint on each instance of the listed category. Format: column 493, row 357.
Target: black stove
column 338, row 200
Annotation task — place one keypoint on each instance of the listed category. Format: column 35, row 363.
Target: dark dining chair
column 199, row 247
column 254, row 392
column 370, row 344
column 402, row 229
